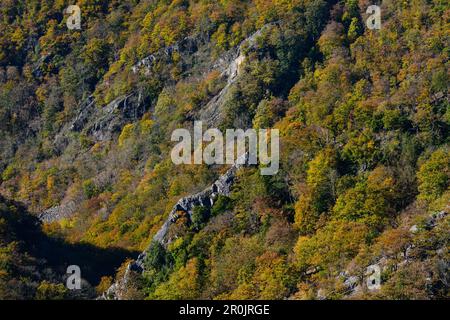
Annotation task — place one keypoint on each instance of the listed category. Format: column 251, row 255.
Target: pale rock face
column 184, row 47
column 355, row 284
column 206, row 198
column 231, row 66
column 58, row 213
column 235, row 67
column 102, row 123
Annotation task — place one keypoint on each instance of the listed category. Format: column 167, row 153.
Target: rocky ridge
column 230, row 64
column 356, row 284
column 206, row 198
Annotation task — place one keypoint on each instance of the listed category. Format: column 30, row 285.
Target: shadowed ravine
column 56, row 253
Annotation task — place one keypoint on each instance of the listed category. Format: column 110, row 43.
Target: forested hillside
column 34, row 265
column 86, row 118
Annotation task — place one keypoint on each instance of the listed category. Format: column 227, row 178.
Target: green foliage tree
column 434, row 175
column 199, row 216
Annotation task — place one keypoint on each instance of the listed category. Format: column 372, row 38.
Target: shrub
column 222, row 204
column 434, row 175
column 199, row 217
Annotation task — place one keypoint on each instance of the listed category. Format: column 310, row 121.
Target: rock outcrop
column 185, row 48
column 102, row 123
column 230, row 65
column 206, row 198
column 355, row 284
column 58, row 213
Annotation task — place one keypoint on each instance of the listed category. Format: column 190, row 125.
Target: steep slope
column 34, row 265
column 86, row 119
column 188, row 206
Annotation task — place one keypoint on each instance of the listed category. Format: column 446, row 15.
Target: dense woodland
column 363, row 116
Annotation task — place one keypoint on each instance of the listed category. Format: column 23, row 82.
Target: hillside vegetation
column 86, row 118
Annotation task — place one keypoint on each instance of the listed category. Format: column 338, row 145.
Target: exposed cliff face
column 57, row 213
column 356, row 284
column 102, row 123
column 206, row 198
column 186, row 48
column 230, row 65
column 99, row 124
